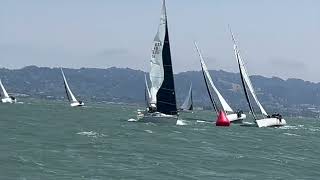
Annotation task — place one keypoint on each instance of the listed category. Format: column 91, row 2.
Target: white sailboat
column 162, row 103
column 188, row 102
column 6, row 98
column 147, row 94
column 267, row 121
column 72, row 99
column 232, row 116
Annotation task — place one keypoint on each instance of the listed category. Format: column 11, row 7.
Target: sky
column 276, row 37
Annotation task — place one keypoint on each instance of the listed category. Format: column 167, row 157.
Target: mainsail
column 5, row 94
column 206, row 75
column 188, row 102
column 161, row 74
column 70, row 95
column 246, row 80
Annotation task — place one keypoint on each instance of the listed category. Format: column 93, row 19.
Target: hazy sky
column 276, row 37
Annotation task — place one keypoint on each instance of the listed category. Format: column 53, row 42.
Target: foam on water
column 290, row 134
column 57, row 142
column 148, row 131
column 90, row 134
column 181, row 122
column 132, row 120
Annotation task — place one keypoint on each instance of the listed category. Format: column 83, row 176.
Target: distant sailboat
column 188, row 102
column 163, row 107
column 267, row 121
column 72, row 99
column 147, row 95
column 231, row 115
column 6, row 98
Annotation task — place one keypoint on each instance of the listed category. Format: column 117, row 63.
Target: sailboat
column 147, row 95
column 72, row 99
column 163, row 107
column 6, row 98
column 267, row 120
column 234, row 117
column 188, row 102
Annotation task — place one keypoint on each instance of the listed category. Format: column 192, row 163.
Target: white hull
column 76, row 104
column 157, row 118
column 8, row 100
column 270, row 122
column 233, row 118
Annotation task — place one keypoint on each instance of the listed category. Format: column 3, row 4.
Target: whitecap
column 290, row 127
column 148, row 131
column 290, row 134
column 181, row 122
column 90, row 134
column 200, row 121
column 132, row 120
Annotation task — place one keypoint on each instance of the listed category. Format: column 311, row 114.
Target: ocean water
column 54, row 141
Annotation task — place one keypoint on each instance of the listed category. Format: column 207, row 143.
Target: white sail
column 148, row 95
column 157, row 72
column 187, row 104
column 223, row 102
column 73, row 98
column 5, row 94
column 246, row 76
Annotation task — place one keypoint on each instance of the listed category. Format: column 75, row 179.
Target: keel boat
column 72, row 99
column 267, row 120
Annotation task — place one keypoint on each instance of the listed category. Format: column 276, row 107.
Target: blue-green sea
column 48, row 140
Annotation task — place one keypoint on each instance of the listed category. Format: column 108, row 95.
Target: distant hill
column 127, row 85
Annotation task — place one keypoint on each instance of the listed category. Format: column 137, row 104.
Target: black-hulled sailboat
column 232, row 116
column 187, row 105
column 162, row 105
column 267, row 120
column 72, row 99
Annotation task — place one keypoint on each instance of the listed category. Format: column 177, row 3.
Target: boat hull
column 233, row 118
column 8, row 100
column 157, row 118
column 270, row 122
column 76, row 104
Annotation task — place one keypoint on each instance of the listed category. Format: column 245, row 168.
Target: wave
column 290, row 134
column 148, row 131
column 91, row 134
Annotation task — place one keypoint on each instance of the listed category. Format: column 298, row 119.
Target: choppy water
column 53, row 141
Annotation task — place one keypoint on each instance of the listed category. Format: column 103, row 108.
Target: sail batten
column 207, row 75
